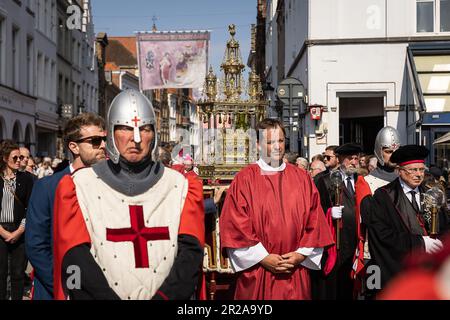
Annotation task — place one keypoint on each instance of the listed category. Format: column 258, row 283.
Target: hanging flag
column 172, row 59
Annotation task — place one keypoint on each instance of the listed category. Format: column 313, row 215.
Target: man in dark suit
column 399, row 226
column 84, row 136
column 338, row 283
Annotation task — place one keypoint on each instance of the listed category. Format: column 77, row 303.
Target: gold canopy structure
column 229, row 112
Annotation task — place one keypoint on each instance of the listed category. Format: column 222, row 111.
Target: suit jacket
column 395, row 230
column 24, row 185
column 327, row 200
column 39, row 234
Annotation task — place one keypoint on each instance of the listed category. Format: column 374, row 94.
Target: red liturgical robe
column 281, row 210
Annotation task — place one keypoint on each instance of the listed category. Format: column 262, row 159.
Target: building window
column 15, row 57
column 2, row 48
column 45, row 23
column 40, row 72
column 60, row 88
column 53, row 82
column 37, row 14
column 79, row 55
column 425, row 16
column 60, row 43
column 74, row 52
column 42, row 19
column 52, row 22
column 47, row 79
column 30, row 66
column 445, row 15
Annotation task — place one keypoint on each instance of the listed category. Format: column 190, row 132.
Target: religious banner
column 172, row 59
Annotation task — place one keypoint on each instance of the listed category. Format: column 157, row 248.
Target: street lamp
column 268, row 92
column 81, row 107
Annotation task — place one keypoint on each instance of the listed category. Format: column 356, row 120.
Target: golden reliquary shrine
column 230, row 110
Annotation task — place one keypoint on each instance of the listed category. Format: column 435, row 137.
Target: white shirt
column 407, row 189
column 266, row 167
column 345, row 176
column 244, row 258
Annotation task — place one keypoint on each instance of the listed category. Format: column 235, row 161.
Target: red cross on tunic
column 139, row 235
column 135, row 120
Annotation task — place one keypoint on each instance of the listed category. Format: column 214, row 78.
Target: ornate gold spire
column 229, row 117
column 232, row 67
column 211, row 85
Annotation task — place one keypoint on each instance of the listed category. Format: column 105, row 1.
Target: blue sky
column 123, row 18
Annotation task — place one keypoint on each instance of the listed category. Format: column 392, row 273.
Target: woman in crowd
column 15, row 190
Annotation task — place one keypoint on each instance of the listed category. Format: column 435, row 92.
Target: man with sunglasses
column 397, row 226
column 84, row 138
column 330, row 160
column 133, row 229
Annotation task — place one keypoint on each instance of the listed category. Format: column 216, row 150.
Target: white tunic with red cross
column 134, row 239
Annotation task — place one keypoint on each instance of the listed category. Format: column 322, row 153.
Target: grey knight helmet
column 129, row 108
column 387, row 137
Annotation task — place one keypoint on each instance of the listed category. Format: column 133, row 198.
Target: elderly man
column 302, row 163
column 397, row 226
column 338, row 284
column 133, row 229
column 316, row 167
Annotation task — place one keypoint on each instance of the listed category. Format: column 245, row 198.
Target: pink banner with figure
column 172, row 59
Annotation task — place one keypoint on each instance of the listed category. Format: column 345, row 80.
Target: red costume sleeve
column 69, row 229
column 192, row 220
column 362, row 190
column 178, row 167
column 236, row 229
column 317, row 233
column 331, row 250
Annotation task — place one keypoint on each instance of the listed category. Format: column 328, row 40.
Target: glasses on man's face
column 414, row 170
column 95, row 141
column 18, row 158
column 328, row 157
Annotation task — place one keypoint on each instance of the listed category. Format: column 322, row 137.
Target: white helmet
column 387, row 137
column 129, row 108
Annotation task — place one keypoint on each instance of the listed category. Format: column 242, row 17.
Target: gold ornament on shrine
column 230, row 111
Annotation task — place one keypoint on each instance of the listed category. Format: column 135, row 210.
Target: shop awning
column 445, row 138
column 431, row 75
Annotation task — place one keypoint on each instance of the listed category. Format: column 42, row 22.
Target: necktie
column 350, row 186
column 413, row 201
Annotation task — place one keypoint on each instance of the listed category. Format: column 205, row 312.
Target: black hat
column 436, row 172
column 408, row 154
column 348, row 149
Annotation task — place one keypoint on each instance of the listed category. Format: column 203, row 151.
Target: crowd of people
column 131, row 217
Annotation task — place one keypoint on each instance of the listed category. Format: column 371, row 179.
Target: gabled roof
column 121, row 51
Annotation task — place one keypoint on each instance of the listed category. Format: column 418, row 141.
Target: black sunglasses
column 95, row 141
column 18, row 157
column 328, row 157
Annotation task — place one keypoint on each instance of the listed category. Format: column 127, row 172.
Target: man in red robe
column 272, row 224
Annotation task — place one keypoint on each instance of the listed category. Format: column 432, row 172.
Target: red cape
column 362, row 190
column 69, row 229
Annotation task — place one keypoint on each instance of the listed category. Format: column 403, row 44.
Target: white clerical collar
column 266, row 167
column 407, row 188
column 71, row 168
